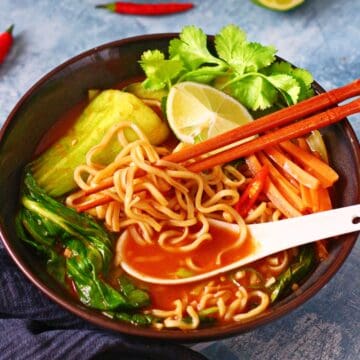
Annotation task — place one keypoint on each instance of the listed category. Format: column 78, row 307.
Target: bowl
column 102, row 68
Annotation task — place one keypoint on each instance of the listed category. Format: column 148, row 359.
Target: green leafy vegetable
column 137, row 319
column 54, row 230
column 184, row 273
column 246, row 70
column 137, row 297
column 296, row 272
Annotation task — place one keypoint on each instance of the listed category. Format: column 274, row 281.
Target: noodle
column 140, row 204
column 159, row 202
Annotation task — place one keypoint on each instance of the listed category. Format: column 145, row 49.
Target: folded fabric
column 34, row 327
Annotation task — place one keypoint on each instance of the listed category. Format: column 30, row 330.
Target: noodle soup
column 123, row 190
column 186, row 245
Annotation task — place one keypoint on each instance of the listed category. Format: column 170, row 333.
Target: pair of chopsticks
column 265, row 126
column 269, row 122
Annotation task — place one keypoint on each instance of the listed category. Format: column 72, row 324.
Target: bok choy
column 74, row 246
column 54, row 169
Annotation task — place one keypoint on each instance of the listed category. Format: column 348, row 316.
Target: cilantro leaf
column 252, row 57
column 287, row 85
column 303, row 77
column 245, row 70
column 227, row 41
column 191, row 48
column 254, row 92
column 242, row 56
column 205, row 74
column 159, row 71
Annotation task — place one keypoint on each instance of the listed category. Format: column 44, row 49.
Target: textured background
column 322, row 36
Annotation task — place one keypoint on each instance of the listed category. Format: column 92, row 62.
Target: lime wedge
column 279, row 5
column 197, row 112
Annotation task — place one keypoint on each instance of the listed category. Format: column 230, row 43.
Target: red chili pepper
column 252, row 192
column 6, row 40
column 132, row 8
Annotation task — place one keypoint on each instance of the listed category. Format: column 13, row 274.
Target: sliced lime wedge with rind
column 196, row 112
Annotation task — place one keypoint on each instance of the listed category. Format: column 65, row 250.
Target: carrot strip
column 271, row 190
column 285, row 174
column 293, row 169
column 321, row 250
column 324, row 199
column 93, row 203
column 290, row 192
column 326, row 175
column 305, row 196
column 102, row 186
column 314, row 194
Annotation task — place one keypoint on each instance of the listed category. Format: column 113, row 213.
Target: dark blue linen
column 34, row 327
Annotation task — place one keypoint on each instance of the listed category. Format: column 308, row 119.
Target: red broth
column 154, row 261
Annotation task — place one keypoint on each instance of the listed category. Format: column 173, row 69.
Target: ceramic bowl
column 101, row 68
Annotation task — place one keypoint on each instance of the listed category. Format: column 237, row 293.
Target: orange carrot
column 293, row 169
column 321, row 250
column 314, row 194
column 324, row 199
column 305, row 196
column 105, row 199
column 271, row 190
column 290, row 192
column 326, row 175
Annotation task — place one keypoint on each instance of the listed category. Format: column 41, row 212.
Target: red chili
column 132, row 8
column 252, row 192
column 6, row 41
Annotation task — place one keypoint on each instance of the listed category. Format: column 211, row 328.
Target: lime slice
column 197, row 112
column 279, row 5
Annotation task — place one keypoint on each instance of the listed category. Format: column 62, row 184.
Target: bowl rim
column 204, row 334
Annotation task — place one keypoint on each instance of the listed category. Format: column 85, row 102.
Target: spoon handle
column 284, row 234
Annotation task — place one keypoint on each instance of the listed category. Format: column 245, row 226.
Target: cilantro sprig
column 248, row 71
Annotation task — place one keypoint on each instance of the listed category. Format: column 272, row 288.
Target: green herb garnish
column 246, row 70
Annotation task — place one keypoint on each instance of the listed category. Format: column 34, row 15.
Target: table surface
column 322, row 36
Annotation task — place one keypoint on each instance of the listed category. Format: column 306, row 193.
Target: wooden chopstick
column 279, row 118
column 288, row 132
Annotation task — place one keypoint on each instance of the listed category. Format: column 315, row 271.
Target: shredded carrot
column 272, row 191
column 324, row 199
column 290, row 192
column 326, row 175
column 315, row 205
column 105, row 199
column 305, row 196
column 321, row 250
column 293, row 169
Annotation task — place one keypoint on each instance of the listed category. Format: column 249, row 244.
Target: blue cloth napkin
column 34, row 327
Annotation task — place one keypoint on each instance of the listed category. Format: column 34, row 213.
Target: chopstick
column 279, row 118
column 288, row 132
column 264, row 124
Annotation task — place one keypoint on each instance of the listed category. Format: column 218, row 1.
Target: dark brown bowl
column 101, row 68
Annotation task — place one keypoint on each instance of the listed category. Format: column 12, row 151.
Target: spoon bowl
column 269, row 238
